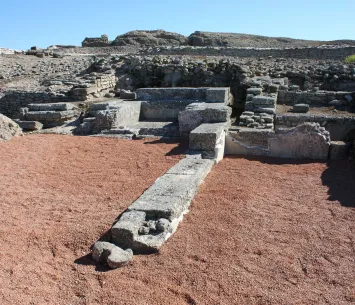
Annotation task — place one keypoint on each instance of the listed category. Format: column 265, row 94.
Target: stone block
column 163, row 110
column 264, row 101
column 113, row 256
column 30, row 125
column 217, row 95
column 206, row 136
column 127, row 95
column 254, row 91
column 300, row 108
column 51, row 107
column 339, row 150
column 197, row 113
column 50, row 115
column 146, row 94
column 306, row 141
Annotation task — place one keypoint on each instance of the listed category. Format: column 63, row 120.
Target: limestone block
column 30, row 125
column 254, row 91
column 217, row 95
column 113, row 256
column 163, row 110
column 8, row 128
column 205, row 136
column 176, row 93
column 300, row 108
column 264, row 101
column 306, row 141
column 197, row 113
column 127, row 95
column 51, row 107
column 50, row 115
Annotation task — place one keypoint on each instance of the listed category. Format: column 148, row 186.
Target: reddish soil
column 260, row 231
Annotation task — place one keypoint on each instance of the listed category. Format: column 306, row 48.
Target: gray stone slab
column 191, row 166
column 205, row 136
column 264, row 100
column 49, row 115
column 30, row 125
column 300, row 108
column 197, row 113
column 51, row 107
column 163, row 110
column 146, row 94
column 217, row 95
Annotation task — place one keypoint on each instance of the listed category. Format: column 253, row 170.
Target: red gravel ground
column 259, row 232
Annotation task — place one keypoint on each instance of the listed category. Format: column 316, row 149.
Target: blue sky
column 25, row 23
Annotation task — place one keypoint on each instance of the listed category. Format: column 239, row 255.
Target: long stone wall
column 319, row 98
column 334, row 53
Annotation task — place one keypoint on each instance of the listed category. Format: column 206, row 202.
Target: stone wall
column 338, row 127
column 333, row 53
column 319, row 98
column 306, row 141
column 13, row 100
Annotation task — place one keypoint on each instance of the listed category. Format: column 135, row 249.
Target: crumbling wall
column 13, row 100
column 337, row 126
column 306, row 141
column 333, row 53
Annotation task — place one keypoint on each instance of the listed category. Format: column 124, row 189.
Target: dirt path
column 259, row 232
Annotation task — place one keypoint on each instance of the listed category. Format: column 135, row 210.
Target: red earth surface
column 260, row 231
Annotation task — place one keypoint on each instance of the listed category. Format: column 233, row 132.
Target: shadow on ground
column 182, row 147
column 339, row 177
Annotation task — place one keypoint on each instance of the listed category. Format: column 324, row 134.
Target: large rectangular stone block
column 217, row 95
column 197, row 113
column 206, row 136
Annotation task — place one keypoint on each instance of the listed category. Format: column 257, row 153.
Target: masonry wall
column 338, row 127
column 13, row 100
column 302, row 53
column 319, row 98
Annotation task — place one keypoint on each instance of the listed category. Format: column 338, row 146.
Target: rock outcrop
column 150, row 38
column 8, row 128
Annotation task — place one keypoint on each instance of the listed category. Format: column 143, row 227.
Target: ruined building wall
column 334, row 53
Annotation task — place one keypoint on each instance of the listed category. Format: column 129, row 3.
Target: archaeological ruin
column 217, row 94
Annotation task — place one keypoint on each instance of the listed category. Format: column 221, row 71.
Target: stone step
column 148, row 128
column 51, row 107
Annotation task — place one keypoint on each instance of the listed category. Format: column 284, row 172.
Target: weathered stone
column 113, row 256
column 8, row 128
column 300, row 108
column 206, row 136
column 30, row 125
column 197, row 113
column 306, row 141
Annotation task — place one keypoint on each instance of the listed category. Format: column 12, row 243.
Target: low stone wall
column 99, row 83
column 13, row 100
column 338, row 127
column 319, row 98
column 306, row 141
column 334, row 53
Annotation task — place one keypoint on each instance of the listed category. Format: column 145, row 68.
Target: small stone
column 163, row 225
column 300, row 108
column 115, row 257
column 143, row 231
